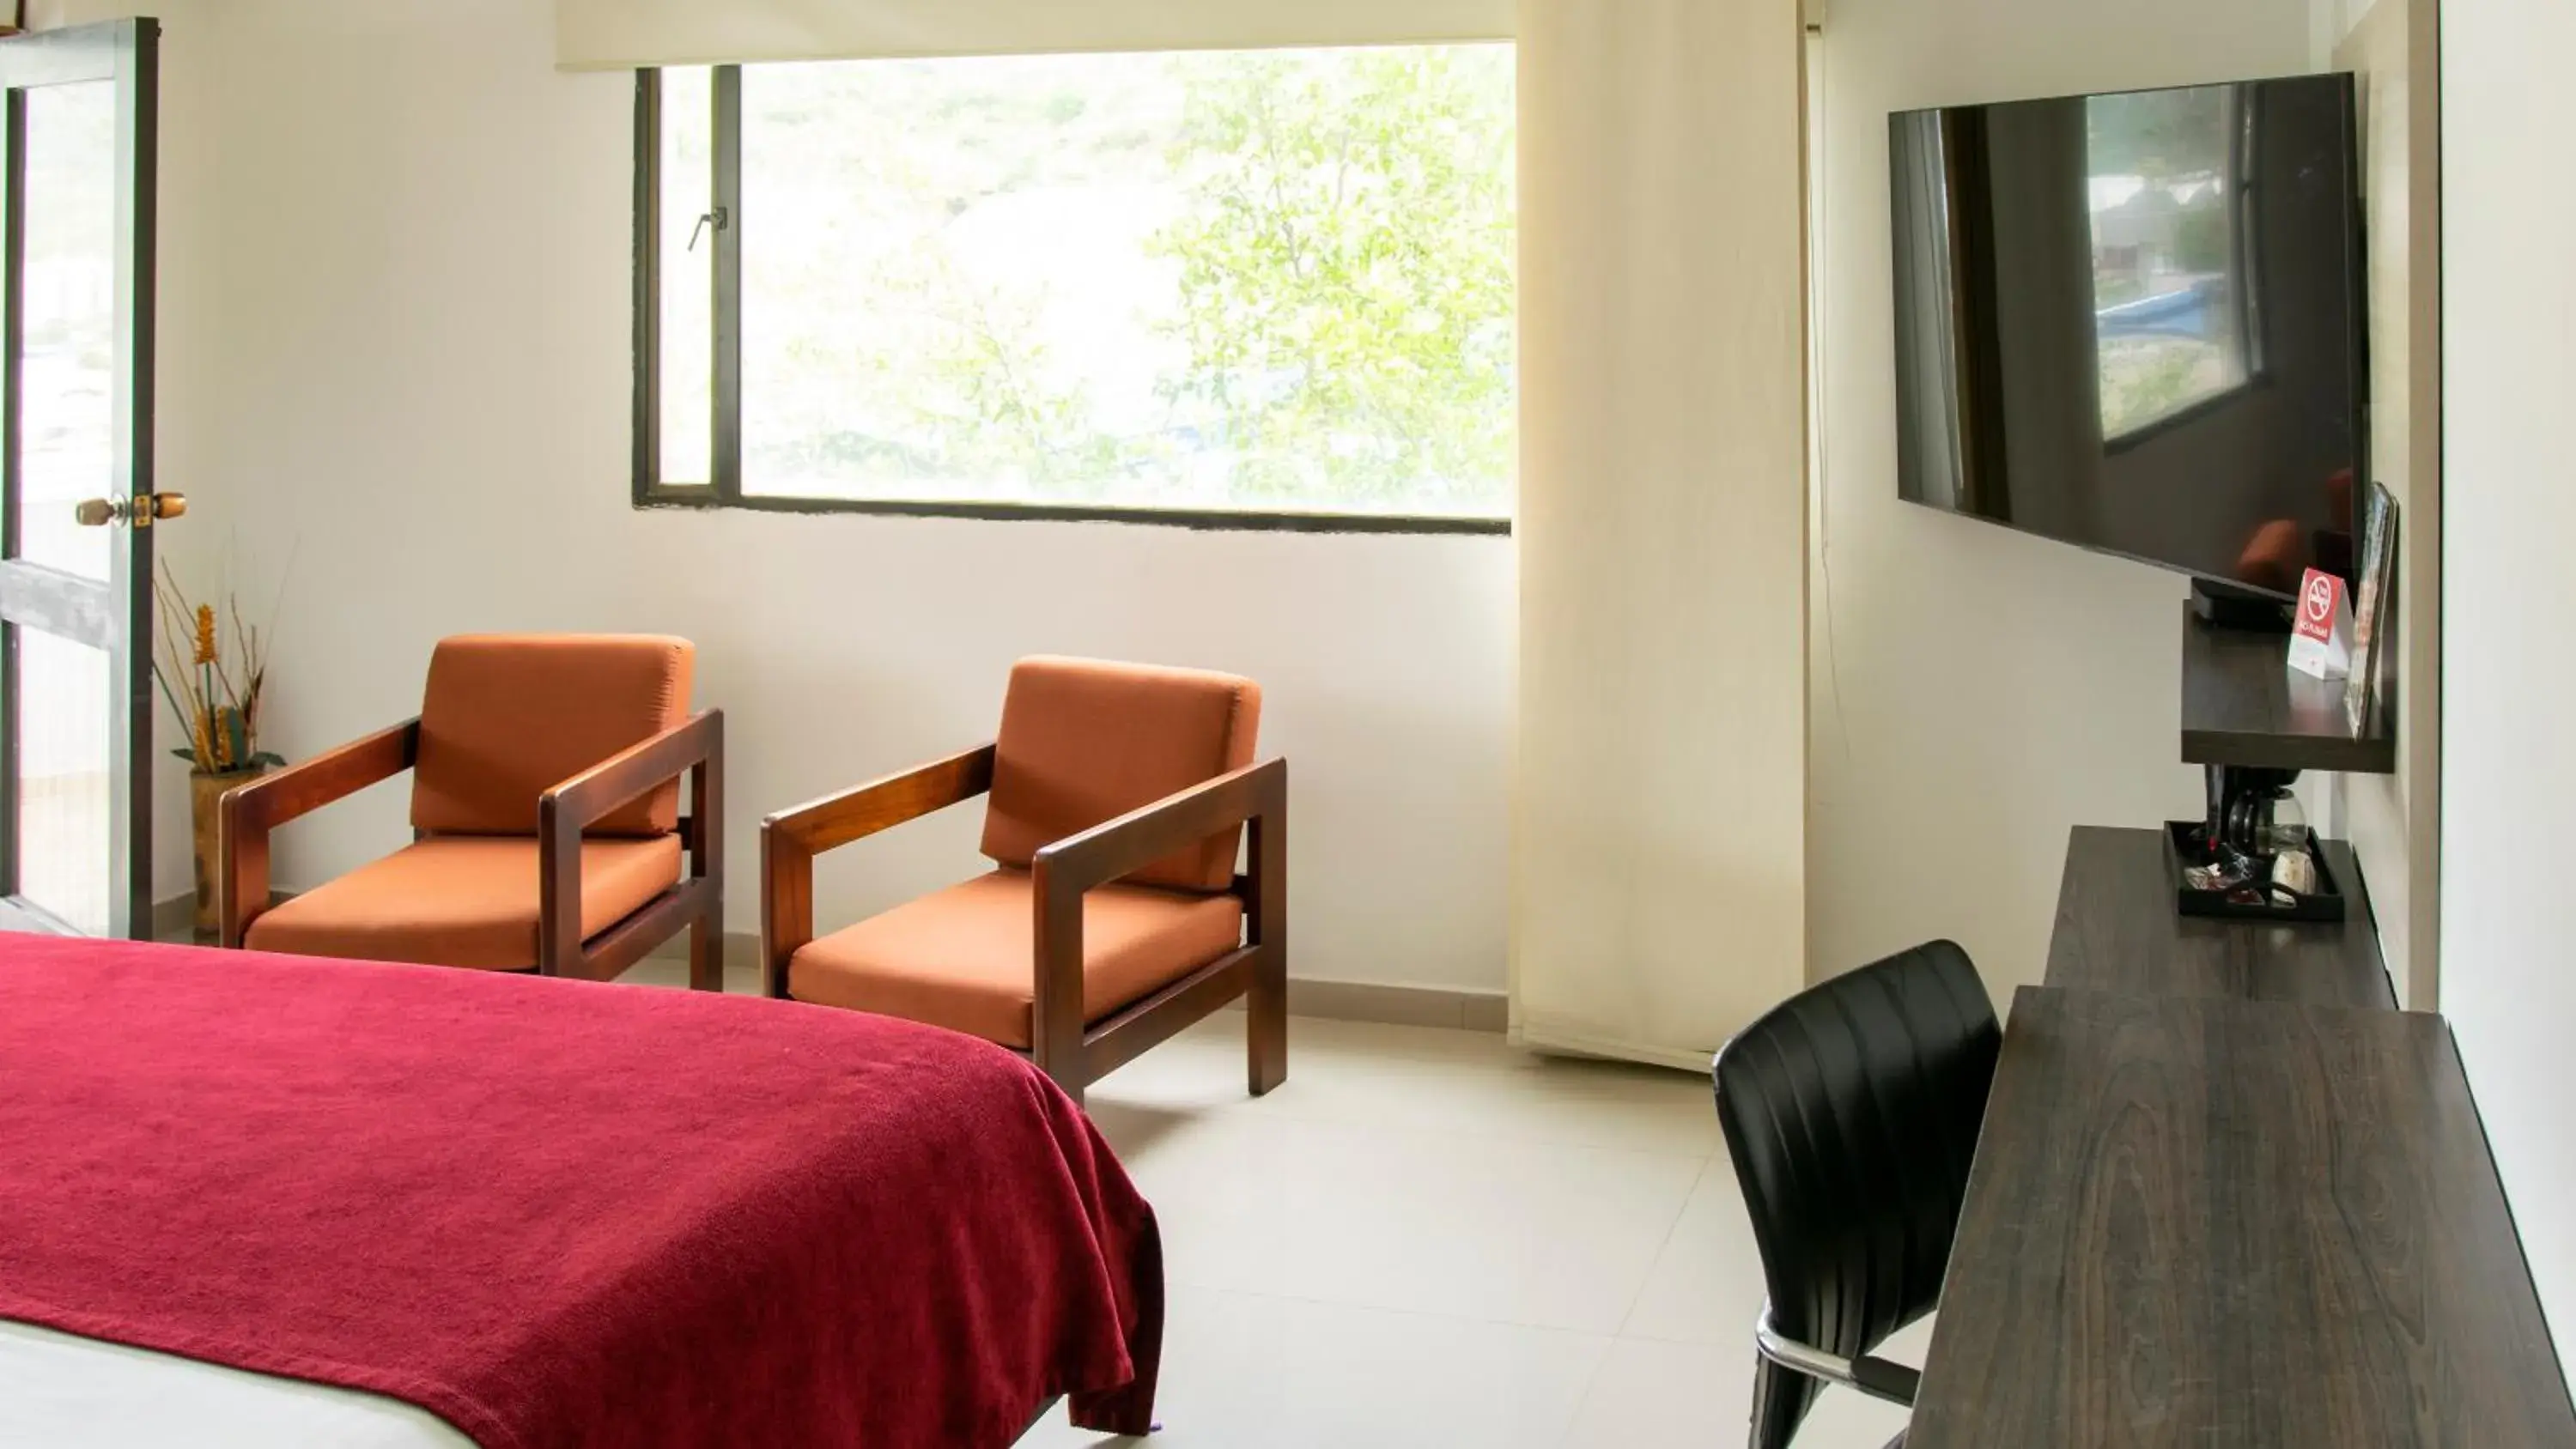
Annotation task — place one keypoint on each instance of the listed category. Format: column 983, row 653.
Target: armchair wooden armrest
column 1256, row 795
column 790, row 839
column 694, row 747
column 249, row 812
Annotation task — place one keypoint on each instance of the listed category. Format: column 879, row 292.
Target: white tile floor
column 1428, row 1238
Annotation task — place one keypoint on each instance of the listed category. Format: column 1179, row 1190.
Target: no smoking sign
column 2321, row 643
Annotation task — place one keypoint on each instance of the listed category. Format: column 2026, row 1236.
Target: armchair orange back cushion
column 1084, row 741
column 505, row 717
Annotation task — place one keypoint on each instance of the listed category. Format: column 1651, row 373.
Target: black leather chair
column 1851, row 1111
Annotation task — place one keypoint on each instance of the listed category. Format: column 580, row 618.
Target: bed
column 266, row 1200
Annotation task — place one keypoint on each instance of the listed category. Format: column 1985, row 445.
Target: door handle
column 141, row 510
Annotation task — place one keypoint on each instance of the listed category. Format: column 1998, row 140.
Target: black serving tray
column 2185, row 845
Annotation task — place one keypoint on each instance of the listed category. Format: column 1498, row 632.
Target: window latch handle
column 716, row 218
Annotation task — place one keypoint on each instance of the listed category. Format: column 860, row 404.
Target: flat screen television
column 2135, row 322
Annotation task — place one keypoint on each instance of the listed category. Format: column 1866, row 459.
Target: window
column 1236, row 288
column 2171, row 202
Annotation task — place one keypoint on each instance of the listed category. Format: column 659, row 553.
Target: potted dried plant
column 213, row 685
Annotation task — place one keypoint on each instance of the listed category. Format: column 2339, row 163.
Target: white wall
column 2509, row 603
column 2394, row 820
column 2329, row 21
column 1976, row 692
column 395, row 349
column 395, row 370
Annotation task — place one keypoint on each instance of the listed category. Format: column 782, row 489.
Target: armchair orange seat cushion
column 462, row 900
column 962, row 957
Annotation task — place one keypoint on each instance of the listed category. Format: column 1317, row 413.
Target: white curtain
column 622, row 34
column 1659, row 825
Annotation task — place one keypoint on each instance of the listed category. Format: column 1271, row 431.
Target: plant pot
column 205, row 793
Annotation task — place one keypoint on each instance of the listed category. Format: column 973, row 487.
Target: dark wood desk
column 2117, row 931
column 2212, row 1223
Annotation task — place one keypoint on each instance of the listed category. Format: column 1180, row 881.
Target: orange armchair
column 1113, row 917
column 545, row 811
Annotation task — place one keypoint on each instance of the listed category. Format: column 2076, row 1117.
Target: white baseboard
column 1332, row 1000
column 741, row 951
column 172, row 920
column 175, row 919
column 1396, row 1005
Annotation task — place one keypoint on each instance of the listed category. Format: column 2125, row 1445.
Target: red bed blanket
column 559, row 1213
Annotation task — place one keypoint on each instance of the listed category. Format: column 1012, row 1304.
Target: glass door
column 77, row 503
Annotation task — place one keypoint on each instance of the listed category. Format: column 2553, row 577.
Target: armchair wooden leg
column 1266, row 1005
column 1065, row 1068
column 706, row 860
column 706, row 954
column 1058, row 997
column 1266, row 1026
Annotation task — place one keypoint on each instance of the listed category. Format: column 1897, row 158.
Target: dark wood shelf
column 2242, row 705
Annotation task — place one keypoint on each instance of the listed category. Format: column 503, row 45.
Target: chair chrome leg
column 1876, row 1377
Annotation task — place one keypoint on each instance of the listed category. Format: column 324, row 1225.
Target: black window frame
column 723, row 489
column 2244, row 195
